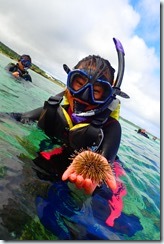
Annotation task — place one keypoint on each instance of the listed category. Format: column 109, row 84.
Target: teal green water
column 19, row 143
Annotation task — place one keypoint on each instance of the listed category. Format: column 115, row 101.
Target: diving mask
column 88, row 89
column 26, row 63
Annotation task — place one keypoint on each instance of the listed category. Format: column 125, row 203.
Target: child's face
column 80, row 81
column 24, row 65
column 21, row 67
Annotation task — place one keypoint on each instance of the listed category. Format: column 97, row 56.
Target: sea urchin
column 92, row 165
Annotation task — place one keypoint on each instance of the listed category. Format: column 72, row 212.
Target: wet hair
column 98, row 67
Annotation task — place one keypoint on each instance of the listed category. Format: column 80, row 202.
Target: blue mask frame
column 26, row 63
column 86, row 92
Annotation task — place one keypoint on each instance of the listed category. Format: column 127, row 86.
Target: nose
column 86, row 95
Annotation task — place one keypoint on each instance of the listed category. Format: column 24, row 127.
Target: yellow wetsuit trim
column 65, row 101
column 67, row 117
column 79, row 126
column 116, row 113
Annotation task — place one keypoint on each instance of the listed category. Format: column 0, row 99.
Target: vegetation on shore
column 15, row 56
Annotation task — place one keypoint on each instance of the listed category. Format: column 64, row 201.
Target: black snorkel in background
column 117, row 83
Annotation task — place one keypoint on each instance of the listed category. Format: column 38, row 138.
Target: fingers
column 25, row 120
column 79, row 181
column 89, row 186
column 86, row 184
column 72, row 177
column 67, row 173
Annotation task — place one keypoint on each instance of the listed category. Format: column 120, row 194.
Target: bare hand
column 79, row 181
column 15, row 74
column 86, row 184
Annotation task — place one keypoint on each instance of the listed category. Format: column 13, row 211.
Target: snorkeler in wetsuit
column 87, row 119
column 19, row 70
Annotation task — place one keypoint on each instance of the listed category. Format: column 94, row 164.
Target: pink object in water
column 49, row 154
column 116, row 203
column 119, row 171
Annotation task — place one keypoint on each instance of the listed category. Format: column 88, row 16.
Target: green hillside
column 15, row 56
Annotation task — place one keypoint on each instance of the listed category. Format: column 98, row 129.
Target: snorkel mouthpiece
column 78, row 118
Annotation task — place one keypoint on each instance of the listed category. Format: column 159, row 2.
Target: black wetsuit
column 101, row 137
column 11, row 67
column 142, row 133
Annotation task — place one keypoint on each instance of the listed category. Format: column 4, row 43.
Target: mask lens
column 77, row 81
column 26, row 63
column 102, row 90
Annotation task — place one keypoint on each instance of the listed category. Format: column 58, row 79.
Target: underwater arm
column 32, row 115
column 26, row 117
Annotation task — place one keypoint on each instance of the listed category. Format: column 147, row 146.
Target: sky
column 61, row 32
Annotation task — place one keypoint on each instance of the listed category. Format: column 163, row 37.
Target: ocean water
column 139, row 156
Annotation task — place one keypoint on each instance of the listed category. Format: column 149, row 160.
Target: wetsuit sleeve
column 11, row 67
column 33, row 115
column 112, row 138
